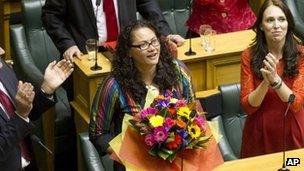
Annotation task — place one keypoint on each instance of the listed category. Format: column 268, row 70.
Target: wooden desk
column 208, row 70
column 270, row 162
column 7, row 7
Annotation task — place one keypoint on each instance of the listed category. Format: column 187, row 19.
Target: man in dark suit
column 20, row 102
column 71, row 22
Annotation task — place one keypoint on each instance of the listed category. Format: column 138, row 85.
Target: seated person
column 141, row 64
column 20, row 102
column 222, row 15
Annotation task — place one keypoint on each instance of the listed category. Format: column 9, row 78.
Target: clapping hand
column 269, row 71
column 55, row 74
column 24, row 99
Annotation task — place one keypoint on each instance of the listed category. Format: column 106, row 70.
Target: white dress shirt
column 24, row 162
column 101, row 20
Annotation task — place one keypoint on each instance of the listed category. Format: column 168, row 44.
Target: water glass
column 91, row 46
column 202, row 31
column 209, row 36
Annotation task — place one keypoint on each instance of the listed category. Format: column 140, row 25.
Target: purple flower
column 162, row 104
column 149, row 140
column 183, row 133
column 148, row 111
column 200, row 121
column 160, row 134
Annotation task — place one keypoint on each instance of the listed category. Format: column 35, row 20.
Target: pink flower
column 169, row 123
column 149, row 140
column 148, row 111
column 181, row 103
column 160, row 134
column 200, row 121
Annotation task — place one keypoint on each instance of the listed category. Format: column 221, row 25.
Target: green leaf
column 163, row 154
column 153, row 152
column 204, row 139
column 171, row 157
column 170, row 138
column 168, row 151
column 164, row 112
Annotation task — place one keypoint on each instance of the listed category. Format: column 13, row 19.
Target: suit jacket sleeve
column 41, row 104
column 54, row 18
column 11, row 133
column 150, row 10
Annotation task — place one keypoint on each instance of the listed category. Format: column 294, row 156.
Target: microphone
column 37, row 140
column 291, row 99
column 98, row 3
column 96, row 67
column 190, row 52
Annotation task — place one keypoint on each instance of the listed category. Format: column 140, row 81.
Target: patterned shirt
column 222, row 15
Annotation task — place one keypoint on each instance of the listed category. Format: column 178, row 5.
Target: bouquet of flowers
column 170, row 126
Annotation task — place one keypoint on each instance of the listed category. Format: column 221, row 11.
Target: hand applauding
column 24, row 99
column 55, row 74
column 269, row 71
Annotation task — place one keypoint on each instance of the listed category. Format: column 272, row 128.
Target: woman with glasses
column 141, row 67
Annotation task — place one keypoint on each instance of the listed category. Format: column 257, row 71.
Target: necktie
column 10, row 111
column 112, row 28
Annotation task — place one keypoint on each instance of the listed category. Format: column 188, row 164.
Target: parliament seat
column 33, row 50
column 225, row 109
column 296, row 8
column 90, row 156
column 176, row 13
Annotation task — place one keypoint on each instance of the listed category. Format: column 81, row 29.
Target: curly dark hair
column 128, row 76
column 259, row 48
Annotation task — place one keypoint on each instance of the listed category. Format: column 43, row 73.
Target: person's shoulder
column 109, row 82
column 301, row 49
column 246, row 52
column 178, row 63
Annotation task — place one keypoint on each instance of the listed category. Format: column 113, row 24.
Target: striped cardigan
column 111, row 102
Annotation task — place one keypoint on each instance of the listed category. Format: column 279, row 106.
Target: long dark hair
column 125, row 72
column 259, row 47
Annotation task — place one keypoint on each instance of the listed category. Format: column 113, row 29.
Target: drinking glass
column 202, row 31
column 91, row 46
column 210, row 40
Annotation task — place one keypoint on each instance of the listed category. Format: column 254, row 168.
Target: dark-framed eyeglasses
column 145, row 45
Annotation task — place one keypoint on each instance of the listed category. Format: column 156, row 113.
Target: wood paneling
column 209, row 69
column 6, row 9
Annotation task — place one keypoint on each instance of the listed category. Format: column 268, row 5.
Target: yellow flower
column 156, row 120
column 194, row 131
column 184, row 111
